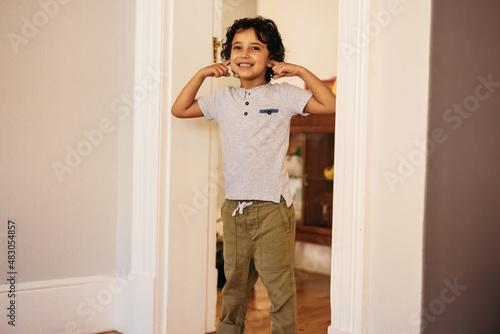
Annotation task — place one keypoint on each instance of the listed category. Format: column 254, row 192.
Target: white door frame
column 349, row 260
column 348, row 251
column 135, row 306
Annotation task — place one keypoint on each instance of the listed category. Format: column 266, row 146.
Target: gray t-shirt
column 255, row 130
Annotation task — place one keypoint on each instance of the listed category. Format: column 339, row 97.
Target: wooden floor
column 313, row 300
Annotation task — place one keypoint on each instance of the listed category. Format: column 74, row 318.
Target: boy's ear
column 269, row 63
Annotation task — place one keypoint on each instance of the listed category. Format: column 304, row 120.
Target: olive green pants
column 258, row 241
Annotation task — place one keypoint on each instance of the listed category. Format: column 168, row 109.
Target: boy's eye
column 253, row 48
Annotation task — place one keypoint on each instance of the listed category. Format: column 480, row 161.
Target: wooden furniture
column 313, row 138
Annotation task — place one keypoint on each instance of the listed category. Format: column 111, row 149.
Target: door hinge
column 215, row 47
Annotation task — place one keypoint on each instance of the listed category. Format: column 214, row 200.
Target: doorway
column 182, row 245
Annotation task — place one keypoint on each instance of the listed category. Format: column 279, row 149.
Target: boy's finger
column 226, row 62
column 225, row 72
column 277, row 67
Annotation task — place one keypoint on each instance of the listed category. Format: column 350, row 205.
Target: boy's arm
column 185, row 106
column 323, row 100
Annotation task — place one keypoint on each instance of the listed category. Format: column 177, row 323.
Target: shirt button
column 246, row 113
column 269, row 112
column 247, row 103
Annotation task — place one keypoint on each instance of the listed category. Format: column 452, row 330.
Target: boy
column 258, row 215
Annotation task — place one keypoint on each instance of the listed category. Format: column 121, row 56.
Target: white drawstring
column 241, row 206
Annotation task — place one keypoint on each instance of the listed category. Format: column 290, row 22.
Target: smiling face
column 249, row 58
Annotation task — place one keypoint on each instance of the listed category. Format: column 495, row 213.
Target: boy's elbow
column 333, row 108
column 329, row 107
column 174, row 112
column 328, row 110
column 177, row 113
column 332, row 105
column 181, row 111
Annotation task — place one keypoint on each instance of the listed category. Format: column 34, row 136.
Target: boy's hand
column 323, row 100
column 186, row 105
column 216, row 70
column 282, row 70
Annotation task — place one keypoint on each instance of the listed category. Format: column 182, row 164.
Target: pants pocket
column 287, row 217
column 276, row 245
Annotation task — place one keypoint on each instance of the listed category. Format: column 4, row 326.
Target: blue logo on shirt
column 268, row 111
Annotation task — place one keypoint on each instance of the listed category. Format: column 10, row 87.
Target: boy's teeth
column 245, row 65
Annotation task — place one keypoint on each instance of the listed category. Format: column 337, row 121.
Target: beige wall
column 462, row 267
column 63, row 67
column 399, row 68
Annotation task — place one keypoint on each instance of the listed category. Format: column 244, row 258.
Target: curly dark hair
column 267, row 32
